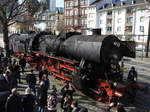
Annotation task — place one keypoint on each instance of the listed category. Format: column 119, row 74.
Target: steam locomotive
column 91, row 63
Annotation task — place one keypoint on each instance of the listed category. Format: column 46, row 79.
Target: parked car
column 140, row 48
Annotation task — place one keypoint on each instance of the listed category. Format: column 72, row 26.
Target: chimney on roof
column 133, row 1
column 104, row 6
column 147, row 0
column 112, row 4
column 122, row 3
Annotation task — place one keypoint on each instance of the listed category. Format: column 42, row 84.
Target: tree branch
column 17, row 8
column 17, row 14
column 2, row 12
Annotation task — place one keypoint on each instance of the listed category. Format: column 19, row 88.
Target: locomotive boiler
column 94, row 48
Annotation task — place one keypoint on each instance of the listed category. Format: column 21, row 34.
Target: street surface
column 141, row 104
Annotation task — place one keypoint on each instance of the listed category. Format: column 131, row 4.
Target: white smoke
column 41, row 26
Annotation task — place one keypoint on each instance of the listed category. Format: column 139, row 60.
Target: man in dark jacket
column 68, row 89
column 132, row 76
column 42, row 72
column 13, row 83
column 13, row 102
column 17, row 72
column 28, row 102
column 42, row 96
column 31, row 81
column 22, row 63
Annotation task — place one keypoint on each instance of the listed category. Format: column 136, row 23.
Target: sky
column 60, row 3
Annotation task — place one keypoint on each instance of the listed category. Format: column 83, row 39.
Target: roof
column 94, row 1
column 101, row 4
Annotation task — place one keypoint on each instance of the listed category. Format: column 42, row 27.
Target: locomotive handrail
column 70, row 62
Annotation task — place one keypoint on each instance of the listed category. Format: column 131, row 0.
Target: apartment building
column 124, row 17
column 75, row 15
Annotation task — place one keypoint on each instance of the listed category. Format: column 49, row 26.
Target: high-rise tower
column 51, row 5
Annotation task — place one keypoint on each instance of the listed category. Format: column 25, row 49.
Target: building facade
column 125, row 17
column 44, row 20
column 49, row 21
column 75, row 15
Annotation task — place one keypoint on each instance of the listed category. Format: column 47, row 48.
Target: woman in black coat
column 42, row 97
column 28, row 102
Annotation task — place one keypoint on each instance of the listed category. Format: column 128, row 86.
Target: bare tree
column 148, row 40
column 10, row 10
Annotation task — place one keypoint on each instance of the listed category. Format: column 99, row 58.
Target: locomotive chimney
column 96, row 31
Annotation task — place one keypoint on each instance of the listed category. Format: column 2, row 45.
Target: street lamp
column 142, row 30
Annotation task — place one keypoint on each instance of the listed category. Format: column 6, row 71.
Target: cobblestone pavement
column 141, row 104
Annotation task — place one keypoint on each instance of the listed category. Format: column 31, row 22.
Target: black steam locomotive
column 78, row 58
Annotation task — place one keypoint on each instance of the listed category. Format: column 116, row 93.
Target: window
column 43, row 17
column 142, row 19
column 129, row 11
column 82, row 12
column 66, row 22
column 91, row 15
column 66, row 13
column 71, row 4
column 139, row 37
column 85, row 11
column 142, row 29
column 109, row 29
column 119, row 20
column 129, row 28
column 85, row 21
column 118, row 29
column 100, row 15
column 76, row 3
column 91, row 22
column 109, row 13
column 75, row 12
column 100, row 21
column 109, row 21
column 119, row 12
column 76, row 22
column 70, row 21
column 71, row 13
column 129, row 19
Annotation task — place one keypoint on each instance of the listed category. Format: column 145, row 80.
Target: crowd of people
column 38, row 97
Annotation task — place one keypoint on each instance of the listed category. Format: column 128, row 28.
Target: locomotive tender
column 86, row 61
